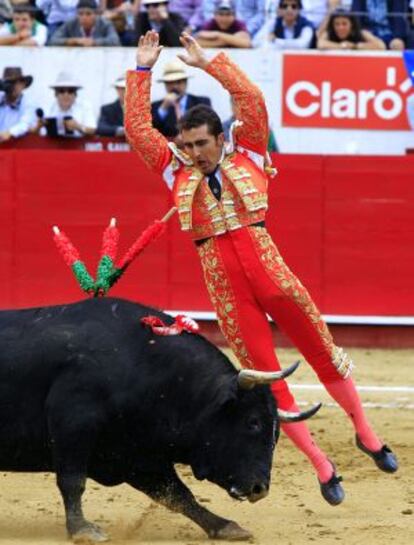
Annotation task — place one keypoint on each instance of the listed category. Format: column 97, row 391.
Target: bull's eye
column 254, row 424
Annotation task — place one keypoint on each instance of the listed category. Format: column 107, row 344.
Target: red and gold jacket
column 244, row 168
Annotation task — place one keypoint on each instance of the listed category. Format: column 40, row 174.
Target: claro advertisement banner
column 358, row 92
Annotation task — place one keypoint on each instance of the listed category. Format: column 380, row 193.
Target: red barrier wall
column 345, row 225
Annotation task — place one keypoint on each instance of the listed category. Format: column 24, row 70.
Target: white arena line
column 366, row 405
column 395, row 389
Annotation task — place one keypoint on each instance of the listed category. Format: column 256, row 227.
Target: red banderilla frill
column 182, row 323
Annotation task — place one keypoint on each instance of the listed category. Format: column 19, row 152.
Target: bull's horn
column 249, row 378
column 287, row 416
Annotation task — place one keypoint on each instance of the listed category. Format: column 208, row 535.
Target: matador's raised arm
column 250, row 106
column 149, row 143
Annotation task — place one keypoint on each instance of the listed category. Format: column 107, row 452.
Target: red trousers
column 247, row 279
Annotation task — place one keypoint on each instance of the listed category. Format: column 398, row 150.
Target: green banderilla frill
column 84, row 279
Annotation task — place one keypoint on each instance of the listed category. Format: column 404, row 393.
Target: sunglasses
column 291, row 6
column 68, row 90
column 156, row 5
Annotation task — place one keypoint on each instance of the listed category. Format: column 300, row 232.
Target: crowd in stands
column 71, row 116
column 281, row 24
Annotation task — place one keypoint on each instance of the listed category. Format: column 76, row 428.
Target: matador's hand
column 195, row 54
column 148, row 49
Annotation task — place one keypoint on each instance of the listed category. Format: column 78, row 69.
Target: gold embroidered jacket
column 245, row 166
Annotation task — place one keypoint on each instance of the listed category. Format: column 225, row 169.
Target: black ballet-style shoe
column 332, row 490
column 384, row 458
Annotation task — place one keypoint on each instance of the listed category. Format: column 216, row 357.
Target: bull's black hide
column 87, row 391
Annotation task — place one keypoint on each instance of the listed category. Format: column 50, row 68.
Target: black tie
column 214, row 185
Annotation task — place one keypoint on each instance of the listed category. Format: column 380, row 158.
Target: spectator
column 69, row 116
column 157, row 17
column 291, row 30
column 57, row 12
column 5, row 11
column 111, row 118
column 378, row 17
column 122, row 14
column 17, row 115
column 251, row 12
column 24, row 29
column 166, row 112
column 86, row 29
column 224, row 30
column 344, row 32
column 191, row 11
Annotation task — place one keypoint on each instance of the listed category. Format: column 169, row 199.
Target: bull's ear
column 227, row 393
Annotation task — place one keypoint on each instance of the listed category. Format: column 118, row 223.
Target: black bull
column 87, row 391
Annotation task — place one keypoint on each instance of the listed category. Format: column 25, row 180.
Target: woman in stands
column 343, row 31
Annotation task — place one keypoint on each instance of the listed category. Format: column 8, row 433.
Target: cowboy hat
column 173, row 71
column 14, row 73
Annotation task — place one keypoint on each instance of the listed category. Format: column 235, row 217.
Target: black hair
column 355, row 34
column 298, row 2
column 25, row 8
column 201, row 115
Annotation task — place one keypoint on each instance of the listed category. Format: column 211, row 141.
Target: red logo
column 345, row 92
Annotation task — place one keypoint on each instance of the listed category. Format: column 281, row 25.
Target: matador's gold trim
column 280, row 273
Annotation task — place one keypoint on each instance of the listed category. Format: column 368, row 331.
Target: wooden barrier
column 344, row 225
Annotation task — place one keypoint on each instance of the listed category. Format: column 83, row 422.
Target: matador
column 220, row 190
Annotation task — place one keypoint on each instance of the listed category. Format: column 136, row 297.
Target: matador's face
column 204, row 148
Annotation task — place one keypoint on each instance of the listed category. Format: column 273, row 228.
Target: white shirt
column 80, row 110
column 40, row 35
column 58, row 11
column 303, row 41
column 315, row 10
column 17, row 118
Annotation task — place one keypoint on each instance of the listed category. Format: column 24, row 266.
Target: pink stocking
column 299, row 434
column 346, row 395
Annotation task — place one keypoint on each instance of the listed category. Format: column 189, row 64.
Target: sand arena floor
column 379, row 508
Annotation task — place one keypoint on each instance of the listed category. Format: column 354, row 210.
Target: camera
column 6, row 85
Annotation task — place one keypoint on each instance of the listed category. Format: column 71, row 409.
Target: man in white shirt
column 17, row 114
column 68, row 115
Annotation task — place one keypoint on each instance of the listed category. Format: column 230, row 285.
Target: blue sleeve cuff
column 144, row 68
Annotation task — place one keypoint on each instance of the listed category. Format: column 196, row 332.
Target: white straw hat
column 64, row 79
column 174, row 71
